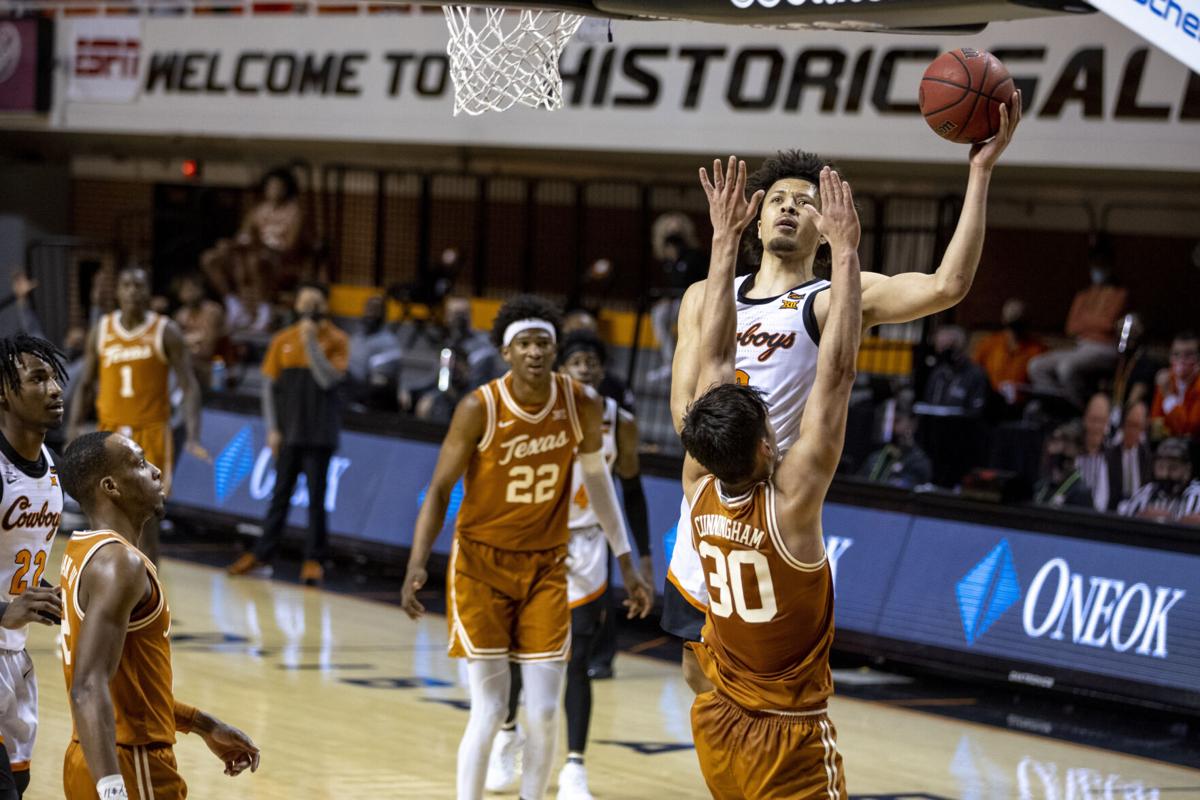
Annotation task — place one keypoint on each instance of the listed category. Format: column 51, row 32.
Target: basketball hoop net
column 500, row 57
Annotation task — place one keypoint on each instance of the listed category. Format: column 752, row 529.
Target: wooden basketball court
column 349, row 699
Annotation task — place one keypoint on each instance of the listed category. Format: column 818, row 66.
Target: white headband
column 522, row 325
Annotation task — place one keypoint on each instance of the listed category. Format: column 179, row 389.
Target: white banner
column 1096, row 94
column 103, row 58
column 1172, row 25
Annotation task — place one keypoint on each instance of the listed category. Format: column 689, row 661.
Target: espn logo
column 107, row 57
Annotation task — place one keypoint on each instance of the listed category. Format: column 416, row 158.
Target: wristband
column 111, row 787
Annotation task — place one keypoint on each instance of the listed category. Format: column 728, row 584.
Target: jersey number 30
column 726, row 584
column 526, row 486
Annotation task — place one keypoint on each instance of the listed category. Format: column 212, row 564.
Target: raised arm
column 85, row 386
column 466, row 429
column 912, row 295
column 112, row 585
column 806, row 471
column 730, row 212
column 686, row 366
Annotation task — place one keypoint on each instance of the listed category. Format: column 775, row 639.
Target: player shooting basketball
column 782, row 310
column 756, row 522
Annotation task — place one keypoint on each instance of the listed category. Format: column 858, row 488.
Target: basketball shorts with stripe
column 18, row 707
column 587, row 566
column 507, row 603
column 150, row 773
column 757, row 755
column 157, row 442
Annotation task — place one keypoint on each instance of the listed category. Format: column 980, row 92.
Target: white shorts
column 685, row 569
column 587, row 565
column 18, row 706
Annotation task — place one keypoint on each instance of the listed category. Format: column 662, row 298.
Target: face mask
column 1061, row 463
column 372, row 324
column 1098, row 276
column 315, row 316
column 1018, row 327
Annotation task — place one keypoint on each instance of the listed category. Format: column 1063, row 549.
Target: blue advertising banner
column 1060, row 603
column 1125, row 612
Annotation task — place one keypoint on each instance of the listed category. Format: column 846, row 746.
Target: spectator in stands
column 483, row 361
column 16, row 316
column 202, row 321
column 1005, row 354
column 900, row 462
column 1129, row 456
column 1093, row 460
column 304, row 366
column 373, row 369
column 263, row 257
column 582, row 320
column 1091, row 322
column 437, row 403
column 1172, row 496
column 1061, row 484
column 956, row 384
column 1176, row 410
column 1136, row 371
column 675, row 246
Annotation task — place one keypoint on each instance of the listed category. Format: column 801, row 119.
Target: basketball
column 961, row 94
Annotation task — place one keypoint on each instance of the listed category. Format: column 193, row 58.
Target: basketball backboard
column 876, row 15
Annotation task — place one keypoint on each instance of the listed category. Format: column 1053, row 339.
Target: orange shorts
column 150, row 773
column 507, row 603
column 761, row 756
column 156, row 441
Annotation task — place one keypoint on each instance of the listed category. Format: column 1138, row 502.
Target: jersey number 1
column 126, row 380
column 727, row 590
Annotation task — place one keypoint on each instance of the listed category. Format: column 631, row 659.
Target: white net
column 501, row 57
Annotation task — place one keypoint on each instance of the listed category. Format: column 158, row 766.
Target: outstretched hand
column 985, row 154
column 728, row 207
column 837, row 221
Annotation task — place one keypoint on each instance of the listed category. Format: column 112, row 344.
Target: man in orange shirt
column 1092, row 321
column 305, row 363
column 1176, row 408
column 1005, row 354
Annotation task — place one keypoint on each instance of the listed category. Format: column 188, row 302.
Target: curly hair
column 785, row 164
column 582, row 340
column 525, row 306
column 722, row 430
column 11, row 350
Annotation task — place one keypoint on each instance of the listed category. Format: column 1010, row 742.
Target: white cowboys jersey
column 582, row 513
column 777, row 351
column 777, row 341
column 30, row 511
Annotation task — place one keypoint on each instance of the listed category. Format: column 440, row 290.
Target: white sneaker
column 504, row 764
column 572, row 782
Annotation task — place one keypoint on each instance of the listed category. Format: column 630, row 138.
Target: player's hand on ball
column 235, row 749
column 36, row 604
column 837, row 221
column 985, row 154
column 728, row 207
column 413, row 582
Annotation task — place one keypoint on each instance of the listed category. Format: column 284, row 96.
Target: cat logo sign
column 741, row 378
